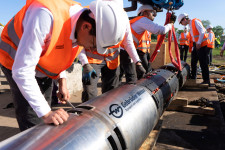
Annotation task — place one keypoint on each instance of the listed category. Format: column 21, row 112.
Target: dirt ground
column 221, row 96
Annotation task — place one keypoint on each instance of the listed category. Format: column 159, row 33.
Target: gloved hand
column 140, row 71
column 88, row 72
column 173, row 18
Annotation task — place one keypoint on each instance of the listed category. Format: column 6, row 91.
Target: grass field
column 217, row 59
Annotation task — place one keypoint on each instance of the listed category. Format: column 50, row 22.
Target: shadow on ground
column 10, row 132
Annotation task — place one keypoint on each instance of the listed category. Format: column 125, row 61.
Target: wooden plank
column 177, row 104
column 168, row 60
column 150, row 141
column 181, row 104
column 3, row 80
column 4, row 88
column 190, row 83
column 193, row 109
column 182, row 101
column 199, row 110
column 160, row 59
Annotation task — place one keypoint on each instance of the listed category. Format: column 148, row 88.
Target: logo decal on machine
column 117, row 110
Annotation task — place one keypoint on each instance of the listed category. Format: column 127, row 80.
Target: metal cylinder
column 82, row 131
column 119, row 119
column 182, row 75
column 163, row 85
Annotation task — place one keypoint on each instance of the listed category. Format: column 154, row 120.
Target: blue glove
column 88, row 73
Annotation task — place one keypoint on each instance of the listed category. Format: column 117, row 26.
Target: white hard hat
column 143, row 8
column 1, row 28
column 119, row 2
column 209, row 27
column 181, row 16
column 111, row 22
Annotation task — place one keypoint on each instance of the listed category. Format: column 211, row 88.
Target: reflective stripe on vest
column 46, row 71
column 144, row 43
column 111, row 57
column 8, row 49
column 183, row 40
column 212, row 44
column 50, row 63
column 136, row 37
column 136, row 41
column 12, row 33
column 205, row 40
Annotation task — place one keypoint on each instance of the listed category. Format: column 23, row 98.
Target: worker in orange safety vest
column 108, row 65
column 200, row 50
column 42, row 40
column 184, row 44
column 142, row 23
column 211, row 45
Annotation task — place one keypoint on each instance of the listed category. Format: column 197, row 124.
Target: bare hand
column 63, row 93
column 57, row 117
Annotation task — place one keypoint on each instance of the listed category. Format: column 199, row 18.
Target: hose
column 160, row 41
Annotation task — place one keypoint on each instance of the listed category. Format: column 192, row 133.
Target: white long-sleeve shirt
column 210, row 37
column 200, row 29
column 37, row 25
column 128, row 45
column 146, row 24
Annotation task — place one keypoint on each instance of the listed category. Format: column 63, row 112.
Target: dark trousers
column 145, row 60
column 183, row 52
column 110, row 80
column 25, row 115
column 201, row 55
column 210, row 56
column 127, row 68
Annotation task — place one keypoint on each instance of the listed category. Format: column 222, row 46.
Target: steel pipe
column 119, row 119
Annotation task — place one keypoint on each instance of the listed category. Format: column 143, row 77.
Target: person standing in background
column 142, row 24
column 222, row 50
column 211, row 45
column 200, row 50
column 108, row 66
column 184, row 44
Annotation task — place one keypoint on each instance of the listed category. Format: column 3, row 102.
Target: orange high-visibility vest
column 111, row 57
column 205, row 40
column 141, row 41
column 191, row 43
column 144, row 43
column 59, row 55
column 212, row 44
column 183, row 40
column 149, row 39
